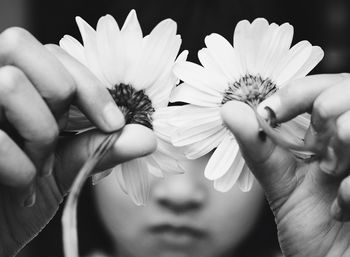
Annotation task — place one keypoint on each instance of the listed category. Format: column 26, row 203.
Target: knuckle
column 12, row 38
column 342, row 131
column 11, row 78
column 49, row 136
column 344, row 190
column 66, row 92
column 26, row 177
column 321, row 109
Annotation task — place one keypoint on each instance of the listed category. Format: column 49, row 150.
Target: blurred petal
column 226, row 182
column 246, row 179
column 77, row 120
column 135, row 175
column 222, row 158
column 117, row 171
column 188, row 94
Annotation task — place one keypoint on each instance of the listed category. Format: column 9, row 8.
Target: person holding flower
column 309, row 196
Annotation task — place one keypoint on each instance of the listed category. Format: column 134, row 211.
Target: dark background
column 325, row 23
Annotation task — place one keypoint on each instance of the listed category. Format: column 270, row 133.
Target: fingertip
column 340, row 209
column 113, row 117
column 273, row 103
column 135, row 141
column 336, row 211
column 240, row 119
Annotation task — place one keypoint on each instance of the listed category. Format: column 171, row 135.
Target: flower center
column 249, row 89
column 135, row 105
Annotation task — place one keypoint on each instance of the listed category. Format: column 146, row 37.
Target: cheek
column 121, row 217
column 237, row 215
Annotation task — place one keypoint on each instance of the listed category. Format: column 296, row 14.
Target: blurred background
column 323, row 22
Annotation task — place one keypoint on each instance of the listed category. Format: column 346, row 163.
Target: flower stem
column 69, row 218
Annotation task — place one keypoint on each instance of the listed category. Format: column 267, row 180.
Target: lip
column 177, row 235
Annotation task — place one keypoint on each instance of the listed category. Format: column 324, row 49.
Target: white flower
column 259, row 62
column 126, row 61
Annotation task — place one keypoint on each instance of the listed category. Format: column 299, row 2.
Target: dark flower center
column 251, row 90
column 135, row 105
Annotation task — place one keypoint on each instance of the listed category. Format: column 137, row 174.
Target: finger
column 26, row 111
column 134, row 141
column 340, row 209
column 299, row 96
column 337, row 161
column 92, row 97
column 273, row 166
column 16, row 170
column 327, row 107
column 19, row 48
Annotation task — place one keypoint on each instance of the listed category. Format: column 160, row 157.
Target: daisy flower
column 260, row 61
column 137, row 71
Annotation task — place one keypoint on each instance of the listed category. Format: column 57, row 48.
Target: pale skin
column 36, row 91
column 310, row 200
column 46, row 81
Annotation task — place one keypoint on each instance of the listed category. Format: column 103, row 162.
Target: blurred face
column 184, row 217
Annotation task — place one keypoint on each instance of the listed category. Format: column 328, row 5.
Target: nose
column 179, row 194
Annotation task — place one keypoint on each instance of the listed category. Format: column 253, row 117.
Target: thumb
column 273, row 166
column 133, row 141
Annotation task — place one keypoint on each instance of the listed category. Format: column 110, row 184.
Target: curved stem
column 69, row 218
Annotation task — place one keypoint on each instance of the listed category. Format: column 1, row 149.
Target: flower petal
column 239, row 42
column 253, row 46
column 160, row 48
column 275, row 45
column 117, row 171
column 73, row 47
column 135, row 175
column 297, row 56
column 132, row 38
column 222, row 158
column 110, row 49
column 193, row 128
column 203, row 147
column 88, row 35
column 246, row 179
column 160, row 91
column 199, row 78
column 225, row 56
column 315, row 57
column 226, row 182
column 188, row 94
column 77, row 120
column 153, row 166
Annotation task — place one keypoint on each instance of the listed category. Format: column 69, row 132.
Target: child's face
column 185, row 216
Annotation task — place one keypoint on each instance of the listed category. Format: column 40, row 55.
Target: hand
column 37, row 166
column 310, row 199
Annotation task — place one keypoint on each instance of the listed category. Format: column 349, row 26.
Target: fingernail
column 30, row 200
column 273, row 102
column 113, row 116
column 272, row 120
column 48, row 166
column 329, row 163
column 336, row 211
